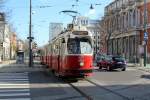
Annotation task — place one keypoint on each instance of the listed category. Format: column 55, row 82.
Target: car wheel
column 100, row 67
column 109, row 68
column 124, row 69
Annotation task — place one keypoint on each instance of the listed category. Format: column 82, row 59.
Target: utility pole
column 96, row 37
column 145, row 33
column 30, row 37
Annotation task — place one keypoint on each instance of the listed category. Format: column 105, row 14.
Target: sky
column 45, row 12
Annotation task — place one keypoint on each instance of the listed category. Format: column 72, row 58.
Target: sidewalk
column 137, row 66
column 7, row 62
column 14, row 67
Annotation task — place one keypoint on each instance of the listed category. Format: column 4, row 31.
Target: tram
column 70, row 54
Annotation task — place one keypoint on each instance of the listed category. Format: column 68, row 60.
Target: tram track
column 90, row 97
column 81, row 92
column 111, row 91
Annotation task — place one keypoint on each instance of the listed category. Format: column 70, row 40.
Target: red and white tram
column 71, row 54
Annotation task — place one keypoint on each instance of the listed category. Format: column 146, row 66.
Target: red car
column 112, row 62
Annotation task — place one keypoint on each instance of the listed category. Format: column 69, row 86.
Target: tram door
column 62, row 54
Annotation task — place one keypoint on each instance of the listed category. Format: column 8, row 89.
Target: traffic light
column 39, row 51
column 34, row 45
column 1, row 44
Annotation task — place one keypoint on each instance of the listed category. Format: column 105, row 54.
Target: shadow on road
column 145, row 76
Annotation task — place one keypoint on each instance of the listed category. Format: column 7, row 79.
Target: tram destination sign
column 80, row 32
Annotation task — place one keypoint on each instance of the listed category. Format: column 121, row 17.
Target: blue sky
column 18, row 15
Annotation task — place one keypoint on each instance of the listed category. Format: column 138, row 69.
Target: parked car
column 112, row 62
column 99, row 57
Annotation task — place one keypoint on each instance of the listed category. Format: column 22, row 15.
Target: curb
column 146, row 69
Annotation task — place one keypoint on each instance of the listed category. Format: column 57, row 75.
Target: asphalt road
column 18, row 82
column 133, row 83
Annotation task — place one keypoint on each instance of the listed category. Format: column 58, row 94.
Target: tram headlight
column 81, row 63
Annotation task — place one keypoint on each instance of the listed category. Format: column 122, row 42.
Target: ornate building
column 123, row 28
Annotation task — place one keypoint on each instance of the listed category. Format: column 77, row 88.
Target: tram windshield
column 79, row 46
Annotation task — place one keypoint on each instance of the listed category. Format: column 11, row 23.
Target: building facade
column 123, row 28
column 6, row 43
column 55, row 29
column 94, row 28
column 13, row 45
column 8, row 40
column 2, row 28
column 4, row 38
column 20, row 45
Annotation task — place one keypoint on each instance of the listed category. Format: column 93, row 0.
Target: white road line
column 14, row 94
column 14, row 86
column 14, row 90
column 14, row 79
column 17, row 99
column 13, row 82
column 13, row 76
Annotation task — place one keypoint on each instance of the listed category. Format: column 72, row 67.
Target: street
column 19, row 82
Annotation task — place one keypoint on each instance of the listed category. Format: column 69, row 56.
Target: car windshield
column 79, row 46
column 119, row 58
column 109, row 57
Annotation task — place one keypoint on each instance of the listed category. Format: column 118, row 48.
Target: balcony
column 123, row 11
column 117, row 9
column 109, row 13
column 138, row 28
column 123, row 6
column 138, row 3
column 131, row 2
column 130, row 8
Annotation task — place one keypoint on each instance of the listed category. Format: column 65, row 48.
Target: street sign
column 145, row 36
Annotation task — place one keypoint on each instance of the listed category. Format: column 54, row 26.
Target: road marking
column 14, row 94
column 13, row 80
column 14, row 86
column 17, row 99
column 15, row 90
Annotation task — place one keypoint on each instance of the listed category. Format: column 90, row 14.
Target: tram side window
column 73, row 46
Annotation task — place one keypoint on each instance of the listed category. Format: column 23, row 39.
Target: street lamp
column 30, row 37
column 145, row 32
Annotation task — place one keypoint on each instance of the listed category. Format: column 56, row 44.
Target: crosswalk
column 14, row 86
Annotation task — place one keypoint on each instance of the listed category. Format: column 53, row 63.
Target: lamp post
column 30, row 37
column 145, row 32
